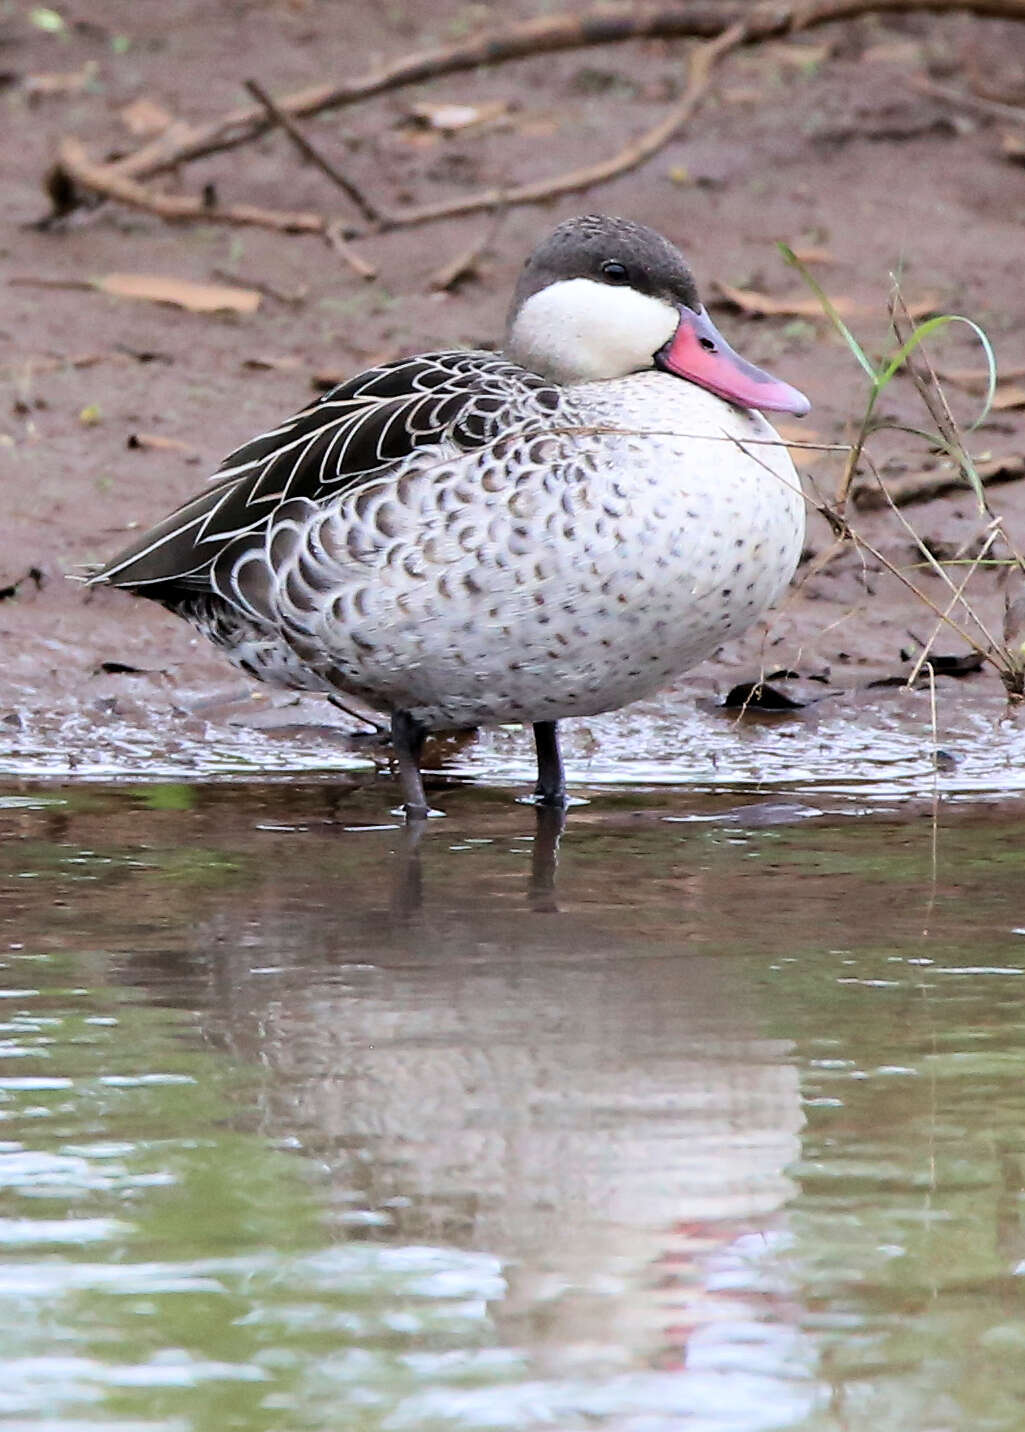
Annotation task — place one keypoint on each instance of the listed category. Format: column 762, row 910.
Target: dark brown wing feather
column 372, row 421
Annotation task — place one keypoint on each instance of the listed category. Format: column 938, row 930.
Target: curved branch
column 108, row 180
column 703, row 62
column 710, row 19
column 697, row 19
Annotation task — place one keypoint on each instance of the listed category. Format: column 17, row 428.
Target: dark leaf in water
column 759, row 696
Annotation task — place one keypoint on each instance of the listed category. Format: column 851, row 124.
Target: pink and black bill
column 698, row 352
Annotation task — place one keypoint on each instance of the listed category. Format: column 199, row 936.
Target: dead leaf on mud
column 145, row 118
column 812, row 254
column 49, row 85
column 763, row 305
column 1012, row 147
column 976, row 380
column 181, row 292
column 1007, row 398
column 156, row 442
column 156, row 288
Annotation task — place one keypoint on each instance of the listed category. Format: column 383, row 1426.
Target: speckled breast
column 561, row 571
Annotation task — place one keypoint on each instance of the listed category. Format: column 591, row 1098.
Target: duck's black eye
column 614, row 271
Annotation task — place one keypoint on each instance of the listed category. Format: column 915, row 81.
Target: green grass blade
column 931, row 325
column 829, row 310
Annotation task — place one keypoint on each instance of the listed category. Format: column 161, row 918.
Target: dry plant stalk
column 968, row 625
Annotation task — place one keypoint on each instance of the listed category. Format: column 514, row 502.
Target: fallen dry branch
column 75, row 175
column 79, row 170
column 83, row 174
column 700, row 19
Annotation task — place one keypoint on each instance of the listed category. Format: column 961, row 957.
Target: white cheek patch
column 579, row 330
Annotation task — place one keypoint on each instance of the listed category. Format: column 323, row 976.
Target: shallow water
column 720, row 1124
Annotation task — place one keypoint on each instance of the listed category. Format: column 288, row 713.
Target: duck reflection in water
column 407, row 883
column 583, row 1093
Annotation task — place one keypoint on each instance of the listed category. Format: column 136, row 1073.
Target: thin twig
column 940, row 571
column 958, row 596
column 464, row 265
column 369, row 210
column 974, row 104
column 293, row 298
column 335, row 236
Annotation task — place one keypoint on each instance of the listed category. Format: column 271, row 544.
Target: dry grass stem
column 367, row 209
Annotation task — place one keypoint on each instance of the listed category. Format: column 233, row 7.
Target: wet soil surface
column 825, row 141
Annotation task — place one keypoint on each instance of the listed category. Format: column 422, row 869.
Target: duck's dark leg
column 551, row 780
column 407, row 738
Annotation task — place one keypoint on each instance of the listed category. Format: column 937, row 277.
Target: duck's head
column 602, row 297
